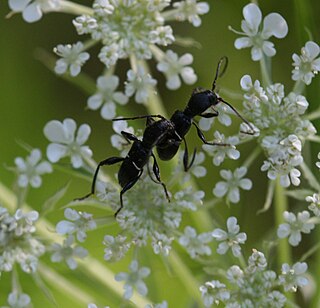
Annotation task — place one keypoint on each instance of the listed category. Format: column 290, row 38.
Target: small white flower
column 85, row 24
column 190, row 10
column 195, row 244
column 315, row 204
column 257, row 262
column 134, row 279
column 139, row 83
column 162, row 35
column 107, row 97
column 273, row 25
column 214, row 292
column 294, row 226
column 230, row 239
column 292, row 277
column 79, row 224
column 116, row 247
column 117, row 140
column 68, row 252
column 220, row 152
column 72, row 59
column 161, row 243
column 233, row 182
column 306, row 65
column 66, row 143
column 172, row 66
column 30, row 170
column 32, row 10
column 19, row 300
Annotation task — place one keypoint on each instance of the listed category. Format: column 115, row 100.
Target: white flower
column 134, row 279
column 233, row 182
column 116, row 247
column 294, row 226
column 214, row 292
column 195, row 244
column 190, row 10
column 19, row 300
column 32, row 10
column 306, row 65
column 161, row 243
column 79, row 224
column 315, row 204
column 139, row 83
column 230, row 239
column 162, row 35
column 107, row 97
column 72, row 58
column 68, row 252
column 220, row 152
column 292, row 277
column 172, row 66
column 255, row 37
column 30, row 169
column 65, row 143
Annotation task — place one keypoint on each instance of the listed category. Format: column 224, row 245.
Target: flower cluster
column 17, row 241
column 282, row 130
column 150, row 218
column 255, row 285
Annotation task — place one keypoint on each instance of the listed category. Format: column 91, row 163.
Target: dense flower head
column 17, row 241
column 256, row 35
column 307, row 64
column 30, row 169
column 282, row 130
column 147, row 216
column 253, row 285
column 314, row 206
column 66, row 142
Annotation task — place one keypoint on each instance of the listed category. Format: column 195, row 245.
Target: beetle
column 132, row 165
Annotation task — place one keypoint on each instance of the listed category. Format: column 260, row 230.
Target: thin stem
column 186, row 277
column 265, row 71
column 74, row 8
column 281, row 205
column 309, row 176
column 313, row 115
column 299, row 87
column 250, row 159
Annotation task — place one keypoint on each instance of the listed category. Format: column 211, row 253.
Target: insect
column 200, row 100
column 138, row 156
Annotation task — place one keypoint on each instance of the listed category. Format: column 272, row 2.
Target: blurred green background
column 31, row 95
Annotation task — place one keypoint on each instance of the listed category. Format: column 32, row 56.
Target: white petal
column 83, row 134
column 246, row 82
column 234, row 195
column 274, row 24
column 256, row 53
column 222, row 248
column 188, row 75
column 108, row 111
column 44, row 167
column 36, row 181
column 313, row 49
column 76, row 161
column 95, row 101
column 186, row 59
column 283, row 230
column 245, row 184
column 18, row 5
column 32, row 12
column 232, row 225
column 173, row 82
column 219, row 234
column 252, row 15
column 242, row 42
column 65, row 227
column 56, row 151
column 23, row 180
column 268, row 49
column 220, row 189
column 120, row 98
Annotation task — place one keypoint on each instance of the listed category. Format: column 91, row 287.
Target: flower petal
column 274, row 24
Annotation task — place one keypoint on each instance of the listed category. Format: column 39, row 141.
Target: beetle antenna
column 239, row 115
column 218, row 73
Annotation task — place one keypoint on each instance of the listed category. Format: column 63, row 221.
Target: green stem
column 74, row 8
column 298, row 87
column 249, row 160
column 281, row 205
column 186, row 277
column 313, row 115
column 265, row 72
column 309, row 176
